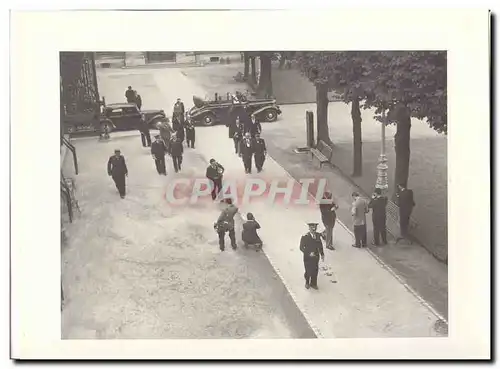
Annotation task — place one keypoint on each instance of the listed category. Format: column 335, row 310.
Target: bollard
column 310, row 128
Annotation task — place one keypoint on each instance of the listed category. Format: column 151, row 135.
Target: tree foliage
column 404, row 83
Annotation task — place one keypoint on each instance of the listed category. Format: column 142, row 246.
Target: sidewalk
column 139, row 268
column 357, row 296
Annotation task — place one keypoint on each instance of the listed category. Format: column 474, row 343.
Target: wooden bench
column 322, row 152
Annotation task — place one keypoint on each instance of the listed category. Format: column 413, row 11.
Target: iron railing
column 72, row 148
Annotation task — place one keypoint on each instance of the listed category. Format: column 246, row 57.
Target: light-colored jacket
column 359, row 210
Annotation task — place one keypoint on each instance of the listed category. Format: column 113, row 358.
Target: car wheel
column 270, row 115
column 208, row 120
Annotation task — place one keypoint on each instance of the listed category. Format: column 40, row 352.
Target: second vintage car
column 209, row 113
column 126, row 116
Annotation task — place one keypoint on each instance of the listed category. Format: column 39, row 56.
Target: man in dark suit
column 327, row 208
column 176, row 152
column 378, row 204
column 158, row 150
column 406, row 204
column 130, row 95
column 255, row 127
column 312, row 248
column 138, row 101
column 214, row 173
column 179, row 111
column 117, row 169
column 145, row 134
column 190, row 134
column 260, row 152
column 247, row 151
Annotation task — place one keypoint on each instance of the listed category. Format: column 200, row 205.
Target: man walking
column 214, row 173
column 358, row 211
column 327, row 208
column 190, row 134
column 138, row 101
column 145, row 134
column 406, row 204
column 178, row 127
column 117, row 169
column 378, row 204
column 176, row 151
column 225, row 223
column 260, row 152
column 312, row 248
column 247, row 151
column 158, row 151
column 255, row 127
column 130, row 95
column 179, row 111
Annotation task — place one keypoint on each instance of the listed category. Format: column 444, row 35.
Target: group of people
column 133, row 97
column 248, row 143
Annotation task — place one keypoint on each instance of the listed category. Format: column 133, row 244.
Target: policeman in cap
column 312, row 248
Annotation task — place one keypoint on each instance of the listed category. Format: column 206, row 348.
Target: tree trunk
column 402, row 147
column 253, row 71
column 265, row 87
column 282, row 60
column 322, row 114
column 357, row 139
column 247, row 66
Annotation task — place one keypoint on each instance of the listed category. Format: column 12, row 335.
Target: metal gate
column 79, row 93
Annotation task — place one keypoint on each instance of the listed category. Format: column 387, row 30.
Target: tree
column 408, row 84
column 246, row 59
column 265, row 87
column 313, row 66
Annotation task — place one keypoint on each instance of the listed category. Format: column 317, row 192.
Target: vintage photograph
column 254, row 194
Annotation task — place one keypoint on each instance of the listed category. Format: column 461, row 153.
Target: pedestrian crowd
column 245, row 130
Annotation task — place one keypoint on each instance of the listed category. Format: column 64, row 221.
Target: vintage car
column 208, row 113
column 116, row 117
column 126, row 116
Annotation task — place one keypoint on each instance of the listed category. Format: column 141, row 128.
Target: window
column 214, row 59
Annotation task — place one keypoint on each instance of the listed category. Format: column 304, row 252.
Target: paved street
column 137, row 268
column 140, row 268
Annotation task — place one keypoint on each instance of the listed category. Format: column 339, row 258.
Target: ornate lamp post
column 382, row 166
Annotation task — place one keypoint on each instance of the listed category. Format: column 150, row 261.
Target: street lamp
column 382, row 182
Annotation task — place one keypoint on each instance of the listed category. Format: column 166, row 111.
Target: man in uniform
column 176, row 150
column 312, row 248
column 327, row 208
column 214, row 173
column 158, row 151
column 260, row 152
column 247, row 151
column 178, row 127
column 406, row 203
column 117, row 169
column 190, row 134
column 358, row 211
column 378, row 204
column 144, row 129
column 225, row 223
column 130, row 95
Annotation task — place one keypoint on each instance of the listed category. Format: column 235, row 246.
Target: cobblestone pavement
column 140, row 268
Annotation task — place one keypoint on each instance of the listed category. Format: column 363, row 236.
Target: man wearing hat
column 117, row 169
column 327, row 208
column 225, row 224
column 158, row 151
column 144, row 130
column 179, row 111
column 176, row 150
column 378, row 204
column 312, row 248
column 260, row 152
